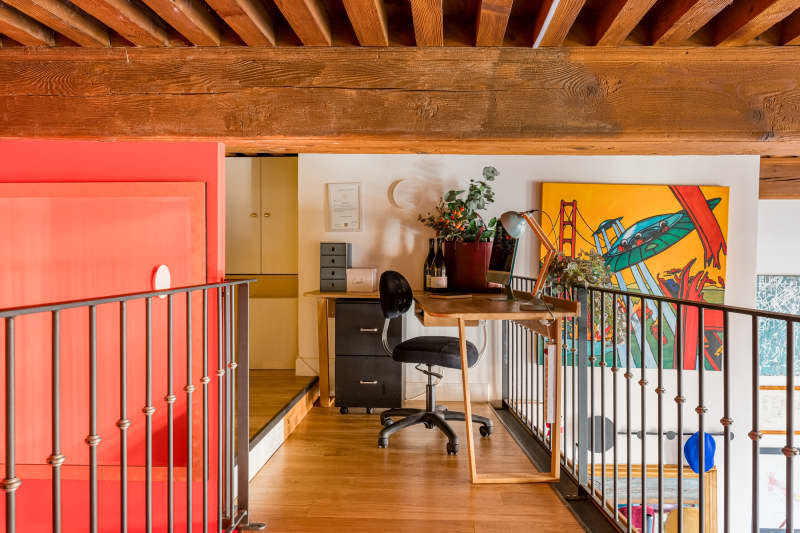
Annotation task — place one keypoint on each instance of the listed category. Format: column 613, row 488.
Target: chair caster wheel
column 369, row 410
column 427, row 425
column 344, row 410
column 383, row 443
column 387, row 422
column 486, row 430
column 452, row 449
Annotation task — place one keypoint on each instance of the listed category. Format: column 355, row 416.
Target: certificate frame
column 345, row 209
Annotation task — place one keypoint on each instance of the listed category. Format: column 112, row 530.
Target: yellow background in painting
column 600, row 202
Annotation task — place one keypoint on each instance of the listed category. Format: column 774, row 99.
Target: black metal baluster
column 574, row 322
column 148, row 410
column 789, row 451
column 93, row 439
column 189, row 389
column 205, row 380
column 700, row 410
column 591, row 386
column 563, row 356
column 220, row 410
column 56, row 459
column 755, row 434
column 628, row 377
column 229, row 401
column 10, row 483
column 603, row 399
column 643, row 388
column 614, row 371
column 170, row 399
column 726, row 422
column 679, row 401
column 123, row 423
column 660, row 394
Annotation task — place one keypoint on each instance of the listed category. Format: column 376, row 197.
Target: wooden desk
column 483, row 307
column 463, row 313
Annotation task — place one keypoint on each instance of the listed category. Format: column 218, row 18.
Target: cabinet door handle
column 254, row 215
column 374, row 382
column 369, row 330
column 267, row 215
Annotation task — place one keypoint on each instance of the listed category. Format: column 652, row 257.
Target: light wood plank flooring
column 270, row 391
column 331, row 477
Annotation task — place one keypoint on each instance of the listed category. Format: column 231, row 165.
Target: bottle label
column 438, row 282
column 427, row 280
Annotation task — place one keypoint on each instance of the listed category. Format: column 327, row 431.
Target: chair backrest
column 396, row 295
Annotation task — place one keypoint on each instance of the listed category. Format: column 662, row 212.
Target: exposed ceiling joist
column 617, row 20
column 66, row 20
column 492, row 22
column 191, row 18
column 308, row 19
column 745, row 20
column 553, row 21
column 428, row 18
column 677, row 21
column 368, row 18
column 24, row 29
column 790, row 33
column 130, row 21
column 248, row 18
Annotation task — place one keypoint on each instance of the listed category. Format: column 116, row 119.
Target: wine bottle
column 439, row 278
column 427, row 271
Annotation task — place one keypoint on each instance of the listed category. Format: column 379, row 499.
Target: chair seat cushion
column 437, row 351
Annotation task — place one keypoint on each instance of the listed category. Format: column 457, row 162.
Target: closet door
column 243, row 215
column 279, row 215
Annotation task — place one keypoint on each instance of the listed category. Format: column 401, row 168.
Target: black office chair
column 396, row 299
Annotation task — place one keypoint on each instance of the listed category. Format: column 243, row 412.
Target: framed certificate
column 344, row 207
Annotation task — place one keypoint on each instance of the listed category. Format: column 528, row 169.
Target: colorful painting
column 780, row 294
column 668, row 240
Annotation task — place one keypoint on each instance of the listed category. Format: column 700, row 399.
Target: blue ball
column 691, row 451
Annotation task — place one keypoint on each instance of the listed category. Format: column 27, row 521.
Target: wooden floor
column 330, row 476
column 270, row 391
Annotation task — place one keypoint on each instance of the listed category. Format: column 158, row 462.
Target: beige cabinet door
column 243, row 215
column 279, row 215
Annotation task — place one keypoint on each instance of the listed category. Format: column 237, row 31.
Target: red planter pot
column 467, row 264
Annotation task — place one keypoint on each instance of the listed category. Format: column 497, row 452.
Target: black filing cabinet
column 365, row 375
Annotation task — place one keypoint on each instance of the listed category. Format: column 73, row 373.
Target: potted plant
column 467, row 236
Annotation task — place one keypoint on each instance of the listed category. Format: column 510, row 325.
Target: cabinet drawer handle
column 369, row 330
column 254, row 215
column 374, row 382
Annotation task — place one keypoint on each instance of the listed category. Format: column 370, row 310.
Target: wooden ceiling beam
column 249, row 19
column 492, row 22
column 190, row 18
column 127, row 19
column 554, row 20
column 308, row 19
column 617, row 19
column 790, row 32
column 368, row 18
column 457, row 99
column 428, row 18
column 24, row 29
column 745, row 20
column 66, row 20
column 679, row 20
column 780, row 178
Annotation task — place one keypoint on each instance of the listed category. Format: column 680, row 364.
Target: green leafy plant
column 584, row 270
column 457, row 217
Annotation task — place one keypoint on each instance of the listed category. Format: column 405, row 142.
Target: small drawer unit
column 334, row 260
column 365, row 375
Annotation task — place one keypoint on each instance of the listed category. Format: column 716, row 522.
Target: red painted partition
column 85, row 219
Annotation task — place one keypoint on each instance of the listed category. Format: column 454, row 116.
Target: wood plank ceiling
column 399, row 23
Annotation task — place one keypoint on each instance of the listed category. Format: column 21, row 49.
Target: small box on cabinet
column 361, row 279
column 334, row 260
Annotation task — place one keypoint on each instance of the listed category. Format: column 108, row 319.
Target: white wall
column 778, row 241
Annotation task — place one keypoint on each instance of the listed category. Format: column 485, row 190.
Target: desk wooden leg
column 322, row 340
column 462, row 340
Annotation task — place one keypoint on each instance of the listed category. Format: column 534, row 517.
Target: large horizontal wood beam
column 780, row 178
column 482, row 100
column 65, row 19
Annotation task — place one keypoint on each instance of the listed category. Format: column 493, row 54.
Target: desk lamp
column 514, row 222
